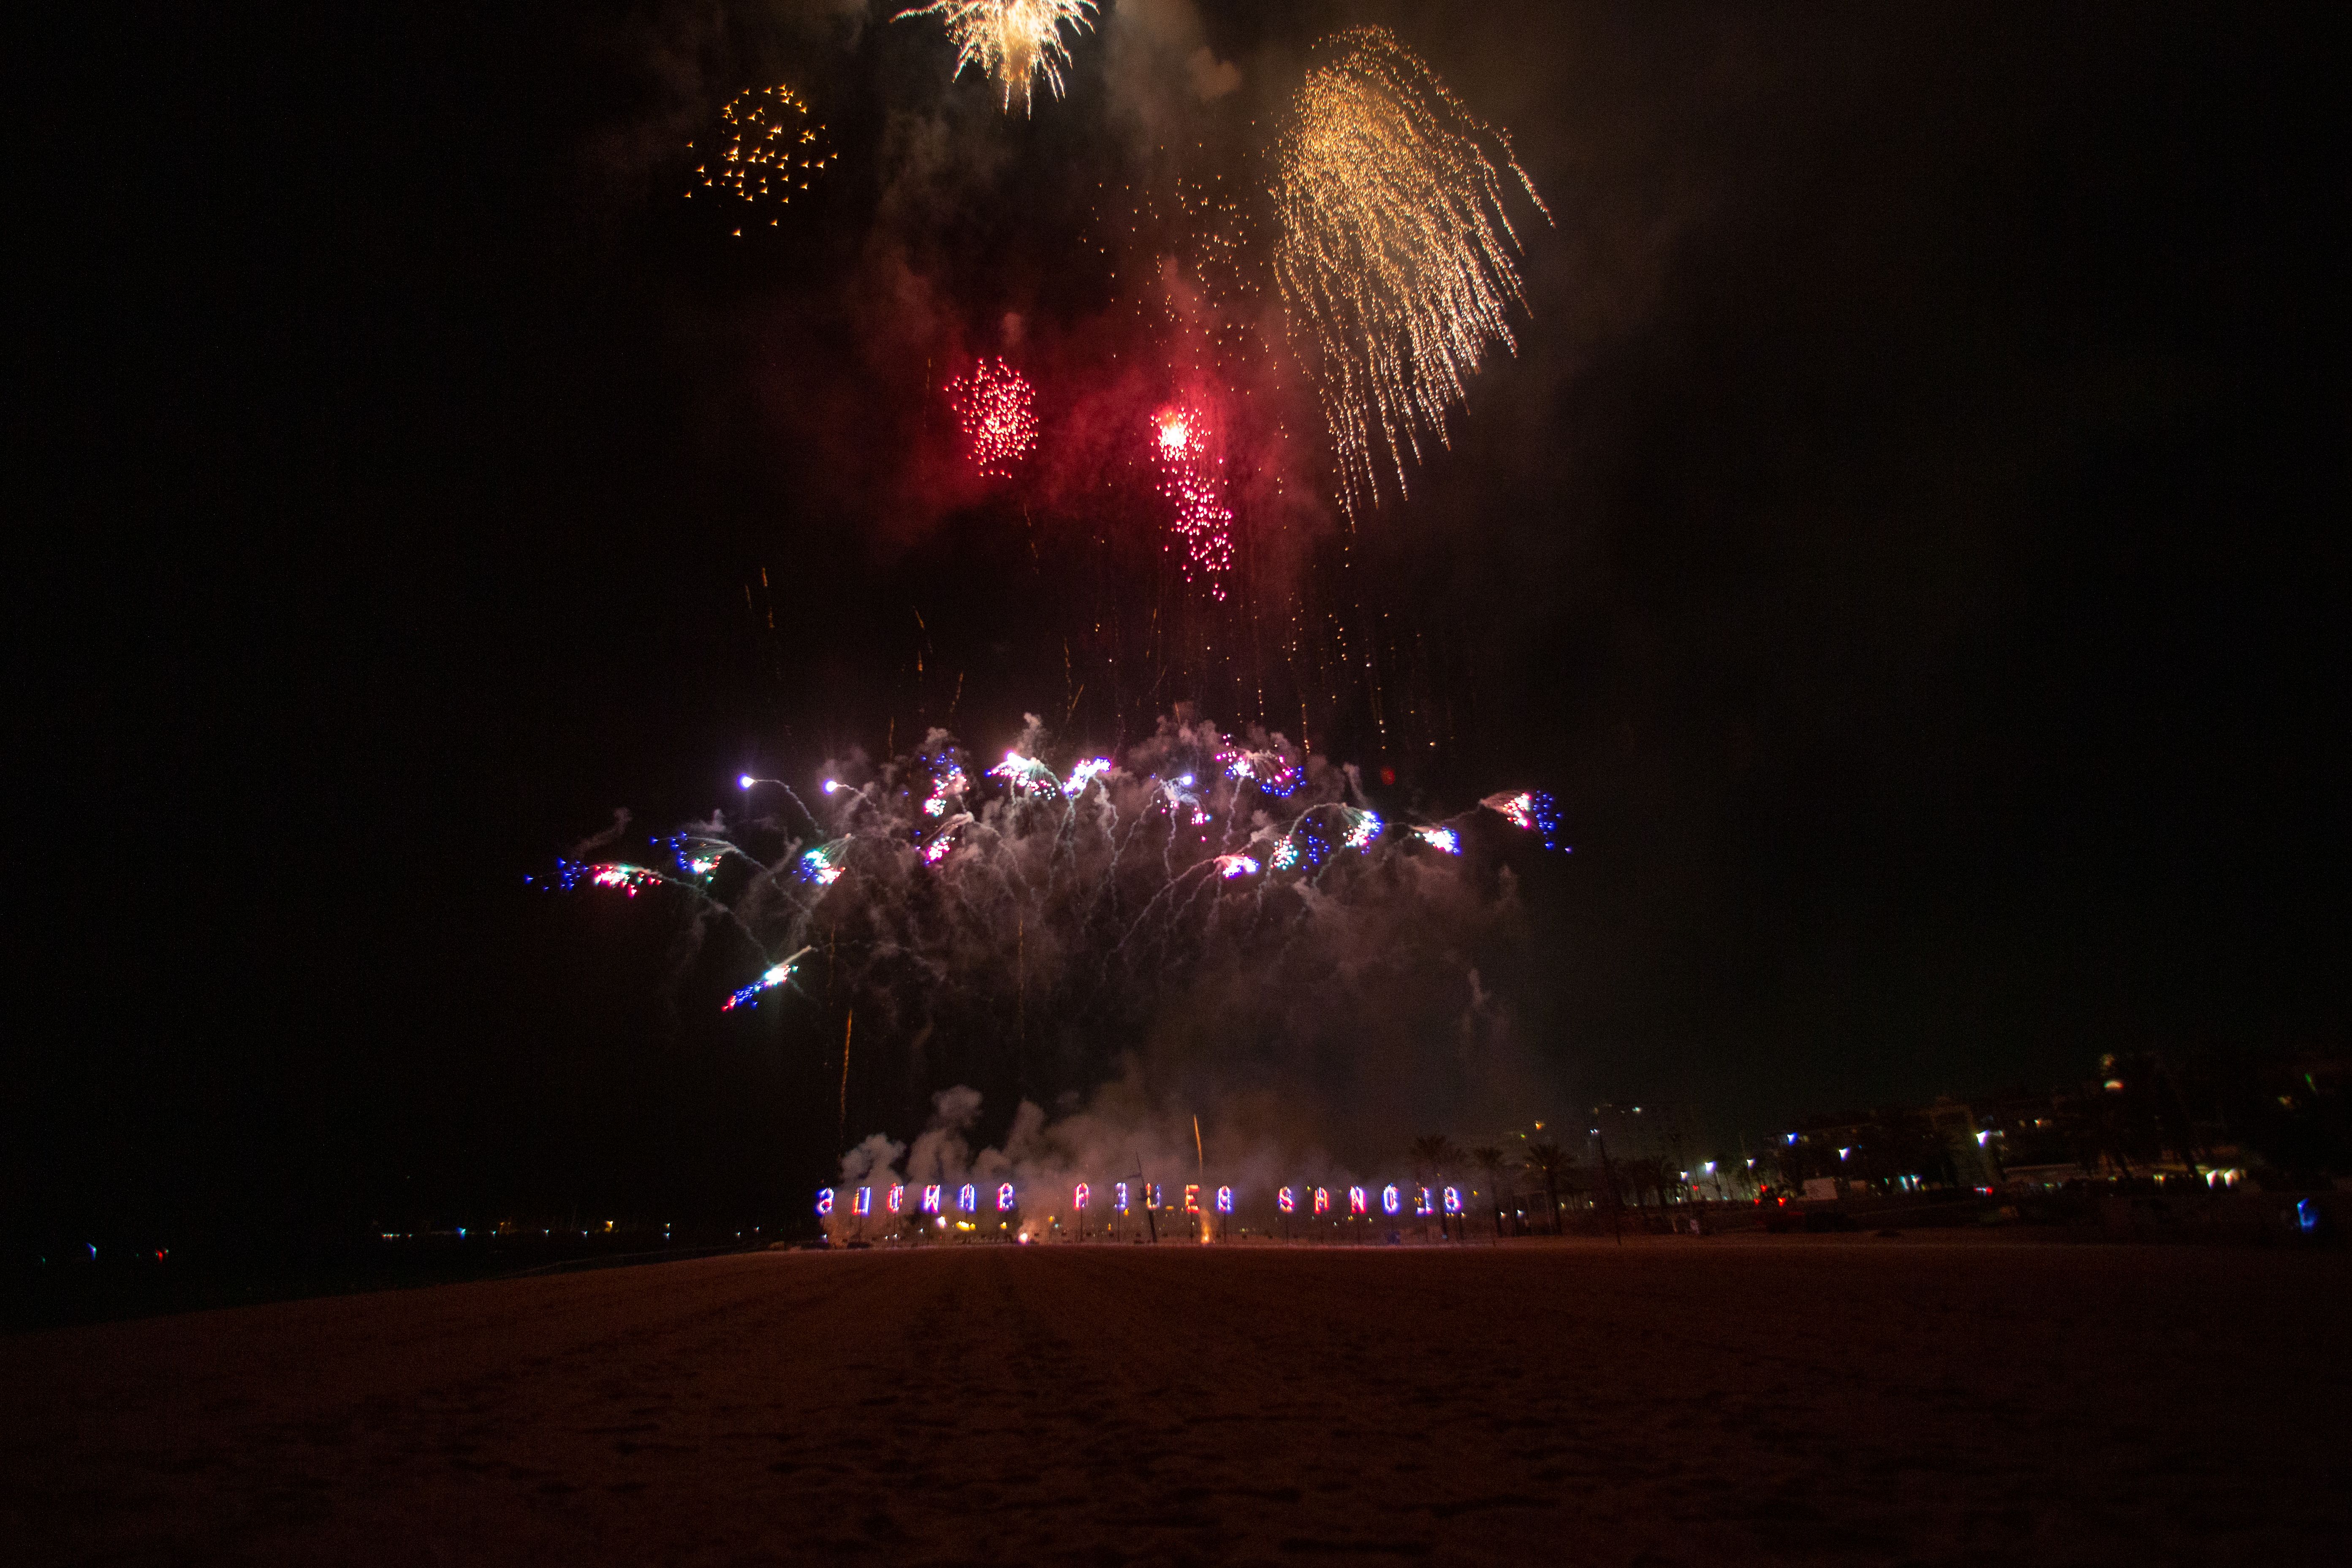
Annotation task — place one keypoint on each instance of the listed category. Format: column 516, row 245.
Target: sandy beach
column 1828, row 1398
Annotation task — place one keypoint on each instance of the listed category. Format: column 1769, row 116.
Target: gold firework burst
column 1395, row 255
column 767, row 149
column 1013, row 40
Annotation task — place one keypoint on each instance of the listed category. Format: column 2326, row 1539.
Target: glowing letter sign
column 897, row 1196
column 1004, row 1197
column 1080, row 1194
column 1118, row 1196
column 1421, row 1204
column 863, row 1203
column 1388, row 1198
column 1356, row 1203
column 1224, row 1199
column 1191, row 1198
column 931, row 1199
column 1454, row 1199
column 1151, row 1199
column 824, row 1200
column 968, row 1199
column 1286, row 1200
column 1322, row 1200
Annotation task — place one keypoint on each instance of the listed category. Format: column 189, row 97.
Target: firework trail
column 767, row 150
column 1015, row 41
column 1193, row 480
column 1395, row 256
column 994, row 405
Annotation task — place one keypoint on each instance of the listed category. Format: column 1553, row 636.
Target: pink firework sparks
column 993, row 404
column 1194, row 480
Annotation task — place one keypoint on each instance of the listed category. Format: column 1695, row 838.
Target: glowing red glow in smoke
column 994, row 403
column 1194, row 479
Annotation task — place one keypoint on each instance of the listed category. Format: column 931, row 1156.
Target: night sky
column 1908, row 542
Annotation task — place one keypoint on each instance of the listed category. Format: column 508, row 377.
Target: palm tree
column 1550, row 1163
column 1491, row 1164
column 1644, row 1171
column 1432, row 1156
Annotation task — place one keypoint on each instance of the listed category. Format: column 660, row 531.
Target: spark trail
column 1396, row 259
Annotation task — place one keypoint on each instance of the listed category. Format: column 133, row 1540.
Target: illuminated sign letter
column 1357, row 1204
column 1224, row 1199
column 931, row 1199
column 1286, row 1200
column 1004, row 1197
column 1421, row 1204
column 1322, row 1200
column 1454, row 1199
column 1151, row 1194
column 1118, row 1195
column 824, row 1200
column 897, row 1196
column 864, row 1203
column 1191, row 1198
column 1080, row 1194
column 1388, row 1198
column 968, row 1199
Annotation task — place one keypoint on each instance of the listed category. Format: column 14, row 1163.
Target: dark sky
column 1908, row 542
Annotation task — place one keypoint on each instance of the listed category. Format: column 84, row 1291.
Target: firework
column 822, row 865
column 993, row 404
column 696, row 857
column 948, row 784
column 767, row 149
column 1193, row 480
column 1027, row 776
column 1059, row 889
column 776, row 974
column 1396, row 257
column 1015, row 41
column 1529, row 811
column 1270, row 773
column 1442, row 839
column 944, row 840
column 630, row 880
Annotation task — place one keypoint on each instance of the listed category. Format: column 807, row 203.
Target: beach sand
column 1691, row 1400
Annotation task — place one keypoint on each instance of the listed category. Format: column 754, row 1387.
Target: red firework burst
column 993, row 404
column 1194, row 479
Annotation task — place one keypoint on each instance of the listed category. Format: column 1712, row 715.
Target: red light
column 1388, row 775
